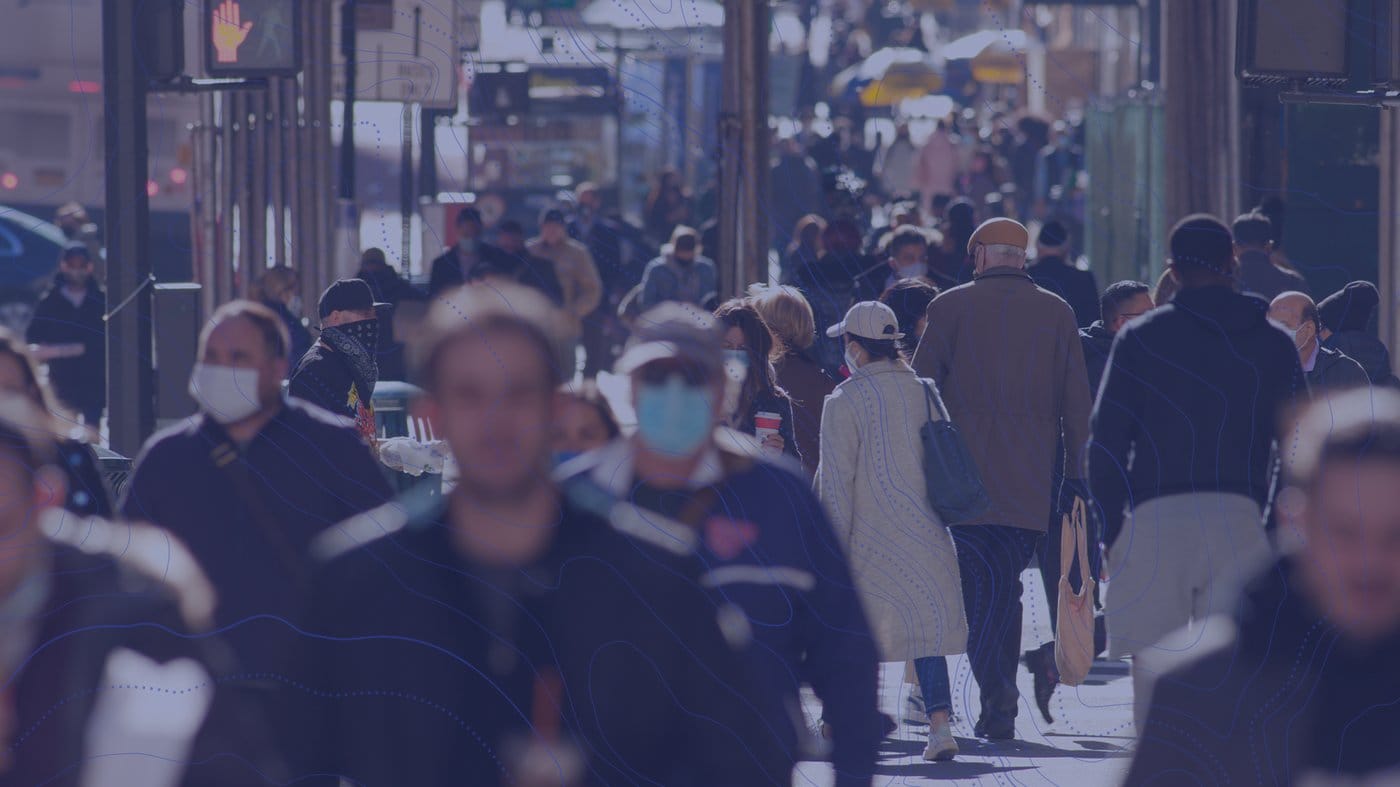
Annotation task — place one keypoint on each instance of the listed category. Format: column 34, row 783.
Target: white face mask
column 227, row 394
column 294, row 304
column 850, row 359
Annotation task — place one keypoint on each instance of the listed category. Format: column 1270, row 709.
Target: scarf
column 358, row 342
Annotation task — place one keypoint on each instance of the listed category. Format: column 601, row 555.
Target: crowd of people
column 593, row 600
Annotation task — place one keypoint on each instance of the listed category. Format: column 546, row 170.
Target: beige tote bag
column 1074, row 626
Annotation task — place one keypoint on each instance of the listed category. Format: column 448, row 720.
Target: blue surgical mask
column 674, row 418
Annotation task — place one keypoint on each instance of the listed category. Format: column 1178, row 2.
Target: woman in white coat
column 871, row 478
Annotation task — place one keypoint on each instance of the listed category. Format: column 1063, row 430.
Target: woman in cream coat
column 871, row 479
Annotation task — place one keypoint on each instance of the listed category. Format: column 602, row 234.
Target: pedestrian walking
column 937, row 169
column 871, row 480
column 470, row 258
column 1006, row 356
column 896, row 164
column 1121, row 302
column 1300, row 682
column 754, row 400
column 806, row 246
column 387, row 286
column 250, row 480
column 72, row 317
column 681, row 273
column 906, row 258
column 613, row 244
column 1183, row 434
column 507, row 634
column 339, row 372
column 1346, row 327
column 762, row 535
column 667, row 205
column 528, row 269
column 796, row 189
column 1054, row 271
column 829, row 285
column 279, row 289
column 105, row 644
column 579, row 283
column 1324, row 368
column 86, row 491
column 1257, row 273
column 909, row 300
column 796, row 372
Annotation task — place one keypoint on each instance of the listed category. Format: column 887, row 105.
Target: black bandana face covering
column 359, row 342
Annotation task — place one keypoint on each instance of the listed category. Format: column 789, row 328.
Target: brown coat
column 1007, row 358
column 807, row 386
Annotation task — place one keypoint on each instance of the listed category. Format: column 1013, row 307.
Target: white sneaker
column 941, row 745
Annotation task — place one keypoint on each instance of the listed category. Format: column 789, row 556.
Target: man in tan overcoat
column 1007, row 358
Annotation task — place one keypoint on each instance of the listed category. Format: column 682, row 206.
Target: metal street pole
column 743, row 138
column 130, row 375
column 347, row 221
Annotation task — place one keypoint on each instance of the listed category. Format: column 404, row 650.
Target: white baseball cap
column 868, row 320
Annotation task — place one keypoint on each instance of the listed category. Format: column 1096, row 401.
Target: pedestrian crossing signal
column 245, row 38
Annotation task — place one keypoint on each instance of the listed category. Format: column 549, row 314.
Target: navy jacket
column 304, row 472
column 1366, row 350
column 1190, row 403
column 108, row 589
column 423, row 667
column 1335, row 370
column 489, row 260
column 81, row 381
column 767, row 547
column 1097, row 343
column 1273, row 696
column 1077, row 287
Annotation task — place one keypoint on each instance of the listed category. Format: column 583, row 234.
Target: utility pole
column 130, row 376
column 743, row 136
column 348, row 236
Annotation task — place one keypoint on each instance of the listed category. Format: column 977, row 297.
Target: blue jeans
column 933, row 683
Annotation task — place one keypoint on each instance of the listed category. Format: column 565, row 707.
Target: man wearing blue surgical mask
column 761, row 533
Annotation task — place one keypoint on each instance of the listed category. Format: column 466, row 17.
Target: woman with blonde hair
column 789, row 317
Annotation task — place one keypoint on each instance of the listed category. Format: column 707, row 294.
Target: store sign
column 251, row 37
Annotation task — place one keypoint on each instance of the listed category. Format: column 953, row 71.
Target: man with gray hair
column 1007, row 358
column 1323, row 367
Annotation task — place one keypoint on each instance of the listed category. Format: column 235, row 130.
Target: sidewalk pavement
column 1088, row 745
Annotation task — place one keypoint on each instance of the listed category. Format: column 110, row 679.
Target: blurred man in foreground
column 1302, row 684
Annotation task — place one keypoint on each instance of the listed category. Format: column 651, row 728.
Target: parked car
column 29, row 249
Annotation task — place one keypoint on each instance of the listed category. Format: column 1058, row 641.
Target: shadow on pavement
column 947, row 770
column 972, row 747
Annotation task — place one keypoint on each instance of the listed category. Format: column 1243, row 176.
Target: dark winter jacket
column 829, row 285
column 322, row 377
column 1077, row 287
column 109, row 588
column 527, row 269
column 1097, row 342
column 1274, row 696
column 80, row 382
column 424, row 667
column 771, row 402
column 1259, row 275
column 391, row 288
column 248, row 513
column 1189, row 403
column 299, row 338
column 807, row 386
column 767, row 547
column 1366, row 350
column 1335, row 370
